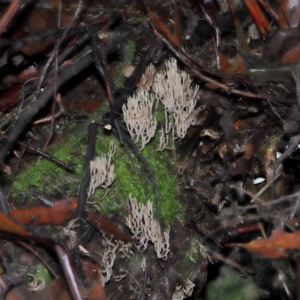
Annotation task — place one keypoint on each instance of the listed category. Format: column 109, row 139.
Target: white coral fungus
column 173, row 88
column 144, row 228
column 102, row 171
column 138, row 117
column 147, row 78
column 183, row 292
column 109, row 248
column 36, row 284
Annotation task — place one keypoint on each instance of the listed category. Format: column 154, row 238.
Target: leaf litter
column 215, row 84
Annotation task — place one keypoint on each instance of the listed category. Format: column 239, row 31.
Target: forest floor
column 149, row 150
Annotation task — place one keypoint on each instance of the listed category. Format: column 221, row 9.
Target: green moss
column 131, row 179
column 130, row 52
column 127, row 59
column 160, row 113
column 130, row 176
column 230, row 285
column 45, row 174
column 42, row 272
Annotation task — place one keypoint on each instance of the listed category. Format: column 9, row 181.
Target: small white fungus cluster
column 36, row 284
column 102, row 171
column 173, row 89
column 138, row 117
column 183, row 292
column 109, row 248
column 144, row 228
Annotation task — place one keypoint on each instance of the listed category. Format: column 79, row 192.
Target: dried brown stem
column 107, row 74
column 10, row 13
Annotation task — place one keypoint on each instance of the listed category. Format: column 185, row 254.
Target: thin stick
column 3, row 204
column 266, row 186
column 57, row 97
column 9, row 13
column 31, row 249
column 295, row 140
column 107, row 74
column 50, row 60
column 47, row 156
column 228, row 261
column 90, row 150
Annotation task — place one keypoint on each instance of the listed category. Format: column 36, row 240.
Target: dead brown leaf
column 60, row 212
column 8, row 225
column 277, row 245
column 257, row 14
column 108, row 227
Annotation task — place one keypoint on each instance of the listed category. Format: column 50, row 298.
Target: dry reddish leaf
column 282, row 21
column 223, row 62
column 238, row 123
column 242, row 229
column 92, row 274
column 291, row 56
column 7, row 224
column 257, row 14
column 106, row 226
column 10, row 13
column 60, row 212
column 237, row 66
column 41, row 18
column 20, row 292
column 57, row 289
column 96, row 292
column 10, row 98
column 277, row 245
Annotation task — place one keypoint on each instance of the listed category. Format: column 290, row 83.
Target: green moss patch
column 231, row 285
column 131, row 178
